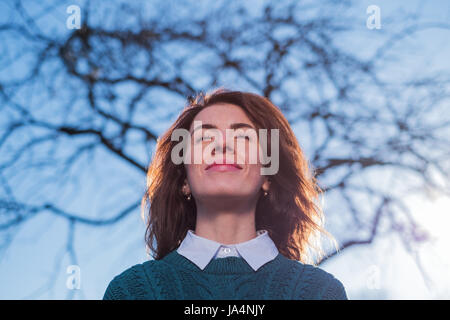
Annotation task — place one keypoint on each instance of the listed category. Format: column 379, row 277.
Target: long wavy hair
column 291, row 212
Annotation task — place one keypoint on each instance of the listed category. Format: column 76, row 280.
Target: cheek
column 250, row 152
column 193, row 173
column 199, row 152
column 254, row 173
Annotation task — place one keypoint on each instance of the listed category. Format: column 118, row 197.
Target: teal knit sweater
column 175, row 277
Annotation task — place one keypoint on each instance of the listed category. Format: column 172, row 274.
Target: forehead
column 222, row 114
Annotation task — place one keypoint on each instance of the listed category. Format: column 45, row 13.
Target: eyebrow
column 232, row 126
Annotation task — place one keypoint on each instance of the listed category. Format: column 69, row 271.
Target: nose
column 222, row 146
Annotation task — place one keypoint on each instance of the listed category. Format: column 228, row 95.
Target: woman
column 220, row 228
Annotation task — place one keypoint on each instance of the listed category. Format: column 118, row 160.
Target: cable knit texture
column 176, row 278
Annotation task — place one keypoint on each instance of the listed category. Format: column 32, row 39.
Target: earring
column 188, row 197
column 265, row 193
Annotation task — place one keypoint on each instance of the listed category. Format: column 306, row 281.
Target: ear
column 186, row 189
column 266, row 184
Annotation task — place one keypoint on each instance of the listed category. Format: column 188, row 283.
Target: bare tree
column 103, row 93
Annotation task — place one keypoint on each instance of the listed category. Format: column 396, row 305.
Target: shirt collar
column 256, row 252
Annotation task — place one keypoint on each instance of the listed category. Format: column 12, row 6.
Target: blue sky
column 102, row 253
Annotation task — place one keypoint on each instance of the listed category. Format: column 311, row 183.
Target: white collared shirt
column 256, row 252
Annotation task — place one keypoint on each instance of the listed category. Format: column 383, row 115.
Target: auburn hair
column 291, row 212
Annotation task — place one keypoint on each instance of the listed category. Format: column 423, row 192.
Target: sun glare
column 434, row 217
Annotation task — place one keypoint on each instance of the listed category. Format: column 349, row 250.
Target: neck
column 226, row 225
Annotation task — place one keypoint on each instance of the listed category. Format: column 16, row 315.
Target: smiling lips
column 223, row 167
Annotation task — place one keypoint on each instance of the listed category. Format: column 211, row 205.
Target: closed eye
column 208, row 138
column 205, row 138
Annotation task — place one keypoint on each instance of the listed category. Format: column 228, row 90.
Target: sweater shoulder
column 316, row 283
column 130, row 284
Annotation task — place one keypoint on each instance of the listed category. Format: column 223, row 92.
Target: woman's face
column 216, row 183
